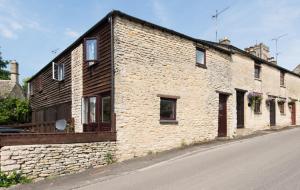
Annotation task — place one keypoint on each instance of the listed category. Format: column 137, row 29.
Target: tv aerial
column 216, row 16
column 55, row 51
column 276, row 39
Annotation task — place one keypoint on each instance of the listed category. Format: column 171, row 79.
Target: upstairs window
column 58, row 71
column 282, row 78
column 281, row 107
column 257, row 71
column 91, row 51
column 200, row 57
column 30, row 89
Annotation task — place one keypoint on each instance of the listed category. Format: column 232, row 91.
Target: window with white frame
column 89, row 110
column 58, row 71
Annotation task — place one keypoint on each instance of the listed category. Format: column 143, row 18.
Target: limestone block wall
column 149, row 62
column 77, row 86
column 243, row 78
column 41, row 161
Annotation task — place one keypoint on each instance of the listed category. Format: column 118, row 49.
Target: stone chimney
column 297, row 69
column 260, row 50
column 14, row 71
column 224, row 41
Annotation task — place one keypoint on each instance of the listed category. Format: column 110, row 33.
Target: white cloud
column 71, row 33
column 12, row 21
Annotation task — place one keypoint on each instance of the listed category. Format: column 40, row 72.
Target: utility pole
column 215, row 16
column 276, row 44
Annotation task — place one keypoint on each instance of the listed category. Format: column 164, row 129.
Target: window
column 58, row 71
column 92, row 110
column 89, row 106
column 257, row 106
column 91, row 51
column 96, row 109
column 257, row 71
column 282, row 82
column 30, row 89
column 200, row 57
column 281, row 107
column 106, row 109
column 167, row 109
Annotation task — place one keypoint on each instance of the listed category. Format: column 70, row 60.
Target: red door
column 222, row 126
column 293, row 113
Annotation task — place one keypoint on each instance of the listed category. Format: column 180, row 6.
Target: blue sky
column 31, row 29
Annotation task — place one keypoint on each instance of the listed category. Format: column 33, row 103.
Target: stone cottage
column 159, row 89
column 12, row 87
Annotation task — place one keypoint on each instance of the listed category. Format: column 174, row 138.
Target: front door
column 272, row 113
column 293, row 113
column 240, row 108
column 222, row 125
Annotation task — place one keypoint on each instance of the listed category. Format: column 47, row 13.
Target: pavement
column 264, row 160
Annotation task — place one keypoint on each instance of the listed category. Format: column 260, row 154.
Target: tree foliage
column 4, row 74
column 14, row 110
column 25, row 85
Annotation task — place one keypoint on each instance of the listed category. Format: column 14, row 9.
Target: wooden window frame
column 58, row 66
column 173, row 99
column 281, row 106
column 202, row 65
column 259, row 72
column 257, row 110
column 94, row 61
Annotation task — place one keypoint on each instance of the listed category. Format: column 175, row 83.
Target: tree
column 14, row 110
column 4, row 74
column 25, row 85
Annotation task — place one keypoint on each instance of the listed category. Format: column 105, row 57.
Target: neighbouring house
column 157, row 88
column 12, row 88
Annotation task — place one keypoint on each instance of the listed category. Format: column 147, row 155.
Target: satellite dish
column 61, row 124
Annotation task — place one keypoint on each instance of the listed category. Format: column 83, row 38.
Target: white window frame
column 58, row 71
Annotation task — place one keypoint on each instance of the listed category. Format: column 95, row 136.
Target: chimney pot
column 14, row 71
column 225, row 41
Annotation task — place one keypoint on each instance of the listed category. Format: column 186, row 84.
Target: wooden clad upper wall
column 52, row 92
column 97, row 78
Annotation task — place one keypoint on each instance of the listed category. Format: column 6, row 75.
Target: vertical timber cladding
column 97, row 78
column 51, row 96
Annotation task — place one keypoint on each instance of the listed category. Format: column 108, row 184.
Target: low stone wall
column 41, row 161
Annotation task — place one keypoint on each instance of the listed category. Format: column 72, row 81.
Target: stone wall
column 149, row 62
column 77, row 88
column 42, row 161
column 243, row 78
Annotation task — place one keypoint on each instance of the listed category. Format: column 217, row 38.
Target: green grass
column 14, row 178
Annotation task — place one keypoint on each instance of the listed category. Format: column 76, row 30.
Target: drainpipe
column 113, row 115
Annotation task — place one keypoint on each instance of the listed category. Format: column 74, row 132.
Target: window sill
column 258, row 79
column 283, row 114
column 281, row 86
column 257, row 113
column 201, row 65
column 168, row 121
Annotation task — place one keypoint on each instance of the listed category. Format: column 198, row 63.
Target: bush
column 14, row 110
column 14, row 178
column 109, row 159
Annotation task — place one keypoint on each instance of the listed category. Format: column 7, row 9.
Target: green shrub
column 14, row 110
column 14, row 178
column 109, row 159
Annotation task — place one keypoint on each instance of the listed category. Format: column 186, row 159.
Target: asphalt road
column 265, row 162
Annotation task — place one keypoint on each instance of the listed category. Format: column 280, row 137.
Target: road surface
column 265, row 162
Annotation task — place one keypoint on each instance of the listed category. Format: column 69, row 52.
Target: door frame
column 221, row 127
column 272, row 102
column 242, row 92
column 293, row 113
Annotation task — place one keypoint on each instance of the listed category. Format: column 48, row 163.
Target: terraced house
column 158, row 88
